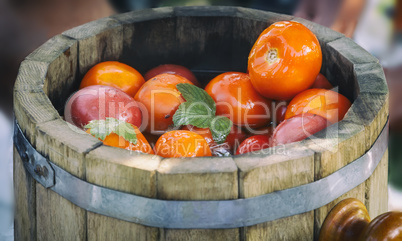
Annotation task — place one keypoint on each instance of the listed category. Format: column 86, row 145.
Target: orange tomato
column 236, row 98
column 115, row 140
column 181, row 143
column 284, row 60
column 160, row 99
column 235, row 137
column 115, row 74
column 326, row 103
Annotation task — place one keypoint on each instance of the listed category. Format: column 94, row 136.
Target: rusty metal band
column 200, row 214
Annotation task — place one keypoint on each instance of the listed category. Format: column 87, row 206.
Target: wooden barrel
column 209, row 40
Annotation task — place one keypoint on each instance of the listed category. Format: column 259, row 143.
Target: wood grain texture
column 98, row 41
column 198, row 179
column 271, row 170
column 334, row 148
column 25, row 203
column 31, row 76
column 65, row 145
column 149, row 39
column 31, row 104
column 58, row 218
column 60, row 53
column 376, row 199
column 205, row 41
column 31, row 109
column 126, row 171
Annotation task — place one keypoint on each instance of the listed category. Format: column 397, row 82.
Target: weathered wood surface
column 25, row 202
column 130, row 172
column 198, row 179
column 285, row 167
column 207, row 38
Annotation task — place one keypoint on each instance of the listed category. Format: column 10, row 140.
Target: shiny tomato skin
column 285, row 60
column 114, row 74
column 97, row 102
column 280, row 111
column 298, row 128
column 236, row 98
column 160, row 98
column 326, row 103
column 254, row 143
column 172, row 69
column 182, row 143
column 321, row 82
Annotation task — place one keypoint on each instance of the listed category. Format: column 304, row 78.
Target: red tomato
column 172, row 69
column 326, row 103
column 321, row 83
column 97, row 102
column 280, row 111
column 298, row 128
column 254, row 143
column 236, row 98
column 285, row 60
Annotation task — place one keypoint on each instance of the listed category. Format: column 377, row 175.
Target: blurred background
column 25, row 24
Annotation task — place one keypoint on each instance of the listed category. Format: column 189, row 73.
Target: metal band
column 215, row 214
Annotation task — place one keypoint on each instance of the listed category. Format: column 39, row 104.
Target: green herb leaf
column 102, row 128
column 192, row 93
column 220, row 128
column 126, row 131
column 193, row 113
column 199, row 110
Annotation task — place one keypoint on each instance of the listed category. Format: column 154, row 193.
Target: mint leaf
column 192, row 93
column 193, row 113
column 220, row 128
column 126, row 131
column 99, row 128
column 102, row 128
column 199, row 110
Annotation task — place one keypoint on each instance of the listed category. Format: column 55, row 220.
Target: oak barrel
column 208, row 40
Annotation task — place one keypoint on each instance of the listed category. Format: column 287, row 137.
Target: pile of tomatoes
column 283, row 98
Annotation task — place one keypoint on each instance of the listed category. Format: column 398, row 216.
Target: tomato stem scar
column 272, row 55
